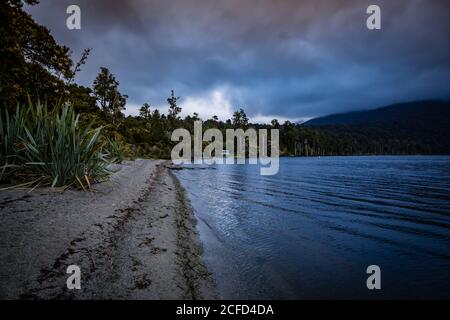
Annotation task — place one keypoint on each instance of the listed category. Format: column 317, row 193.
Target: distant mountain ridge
column 421, row 111
column 406, row 128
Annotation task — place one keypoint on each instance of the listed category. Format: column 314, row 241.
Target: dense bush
column 118, row 150
column 41, row 147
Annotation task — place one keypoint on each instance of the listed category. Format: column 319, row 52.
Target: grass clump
column 117, row 150
column 39, row 147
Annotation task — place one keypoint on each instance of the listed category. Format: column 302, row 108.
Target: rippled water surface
column 311, row 230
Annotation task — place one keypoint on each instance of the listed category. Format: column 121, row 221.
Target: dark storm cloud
column 291, row 59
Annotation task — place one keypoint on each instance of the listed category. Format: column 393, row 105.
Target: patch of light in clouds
column 214, row 103
column 209, row 105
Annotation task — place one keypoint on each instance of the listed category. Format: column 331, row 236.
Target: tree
column 118, row 104
column 105, row 86
column 107, row 94
column 174, row 109
column 81, row 99
column 240, row 118
column 144, row 111
column 31, row 62
column 157, row 126
column 156, row 114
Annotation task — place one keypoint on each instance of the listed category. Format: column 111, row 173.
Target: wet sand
column 134, row 237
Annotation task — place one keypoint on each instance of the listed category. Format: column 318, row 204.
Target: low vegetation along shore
column 133, row 236
column 68, row 198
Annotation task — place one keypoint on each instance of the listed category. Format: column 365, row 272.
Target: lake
column 311, row 231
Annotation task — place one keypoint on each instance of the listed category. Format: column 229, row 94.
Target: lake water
column 311, row 230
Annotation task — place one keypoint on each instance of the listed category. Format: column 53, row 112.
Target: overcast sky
column 285, row 59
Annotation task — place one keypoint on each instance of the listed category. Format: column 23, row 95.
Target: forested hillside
column 409, row 128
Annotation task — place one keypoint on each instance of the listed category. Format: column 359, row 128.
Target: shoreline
column 133, row 237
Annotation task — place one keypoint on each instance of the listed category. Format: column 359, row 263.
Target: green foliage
column 240, row 118
column 117, row 150
column 106, row 91
column 145, row 112
column 31, row 62
column 41, row 147
column 11, row 128
column 174, row 109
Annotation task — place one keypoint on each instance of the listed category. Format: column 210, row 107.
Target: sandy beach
column 133, row 237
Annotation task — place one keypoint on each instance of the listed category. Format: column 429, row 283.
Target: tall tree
column 119, row 102
column 144, row 111
column 105, row 86
column 107, row 93
column 240, row 118
column 174, row 109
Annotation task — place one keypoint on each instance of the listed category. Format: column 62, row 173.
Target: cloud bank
column 288, row 59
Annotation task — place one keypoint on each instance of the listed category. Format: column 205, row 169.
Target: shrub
column 11, row 128
column 41, row 147
column 115, row 150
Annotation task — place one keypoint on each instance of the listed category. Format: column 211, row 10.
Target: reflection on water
column 311, row 230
